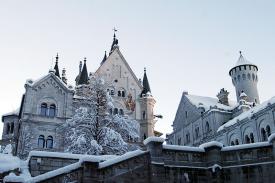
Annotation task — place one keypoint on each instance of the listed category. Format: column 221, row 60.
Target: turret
column 147, row 102
column 244, row 78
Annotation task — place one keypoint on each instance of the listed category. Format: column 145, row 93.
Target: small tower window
column 43, row 111
column 121, row 112
column 8, row 128
column 11, row 127
column 123, row 93
column 41, row 141
column 52, row 110
column 49, row 143
column 116, row 111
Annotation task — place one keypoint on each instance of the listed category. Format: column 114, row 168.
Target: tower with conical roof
column 84, row 78
column 147, row 103
column 245, row 79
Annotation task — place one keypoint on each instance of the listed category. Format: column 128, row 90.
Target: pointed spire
column 146, row 86
column 115, row 41
column 56, row 66
column 104, row 58
column 242, row 60
column 83, row 79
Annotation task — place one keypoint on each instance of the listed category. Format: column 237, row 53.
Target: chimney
column 223, row 97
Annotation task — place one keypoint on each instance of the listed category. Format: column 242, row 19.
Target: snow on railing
column 153, row 139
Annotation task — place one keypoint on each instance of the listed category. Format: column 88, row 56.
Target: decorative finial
column 114, row 29
column 56, row 58
column 85, row 59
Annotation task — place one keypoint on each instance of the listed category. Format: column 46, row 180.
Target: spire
column 56, row 66
column 115, row 41
column 104, row 58
column 83, row 79
column 242, row 60
column 146, row 86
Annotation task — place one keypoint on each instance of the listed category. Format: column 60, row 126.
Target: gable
column 117, row 73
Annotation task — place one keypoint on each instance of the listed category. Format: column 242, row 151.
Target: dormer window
column 43, row 110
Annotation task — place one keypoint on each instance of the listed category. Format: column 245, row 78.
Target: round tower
column 245, row 79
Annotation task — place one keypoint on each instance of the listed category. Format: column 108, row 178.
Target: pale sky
column 185, row 45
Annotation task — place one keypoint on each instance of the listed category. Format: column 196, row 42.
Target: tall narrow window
column 119, row 93
column 49, row 142
column 43, row 111
column 121, row 112
column 8, row 128
column 237, row 142
column 12, row 127
column 41, row 141
column 115, row 111
column 232, row 143
column 111, row 111
column 123, row 93
column 251, row 138
column 52, row 110
column 186, row 114
column 268, row 131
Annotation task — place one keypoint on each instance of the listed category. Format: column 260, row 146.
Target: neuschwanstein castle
column 49, row 102
column 202, row 119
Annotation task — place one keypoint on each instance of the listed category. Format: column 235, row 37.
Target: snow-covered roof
column 183, row 148
column 243, row 61
column 15, row 112
column 247, row 114
column 211, row 144
column 153, row 139
column 246, row 146
column 208, row 102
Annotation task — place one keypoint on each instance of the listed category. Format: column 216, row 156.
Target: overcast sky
column 185, row 45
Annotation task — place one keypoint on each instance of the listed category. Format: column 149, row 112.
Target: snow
column 247, row 114
column 271, row 137
column 243, row 61
column 15, row 112
column 183, row 148
column 121, row 158
column 211, row 144
column 208, row 102
column 8, row 162
column 153, row 139
column 243, row 94
column 7, row 149
column 246, row 146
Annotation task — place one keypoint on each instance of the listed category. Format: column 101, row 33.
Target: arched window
column 123, row 93
column 52, row 110
column 119, row 93
column 268, row 131
column 248, row 76
column 232, row 143
column 8, row 128
column 115, row 111
column 263, row 133
column 247, row 140
column 44, row 108
column 11, row 127
column 237, row 142
column 121, row 112
column 41, row 141
column 244, row 77
column 49, row 142
column 251, row 138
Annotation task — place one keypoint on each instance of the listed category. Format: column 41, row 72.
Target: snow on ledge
column 211, row 144
column 271, row 138
column 183, row 148
column 153, row 139
column 121, row 158
column 246, row 146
